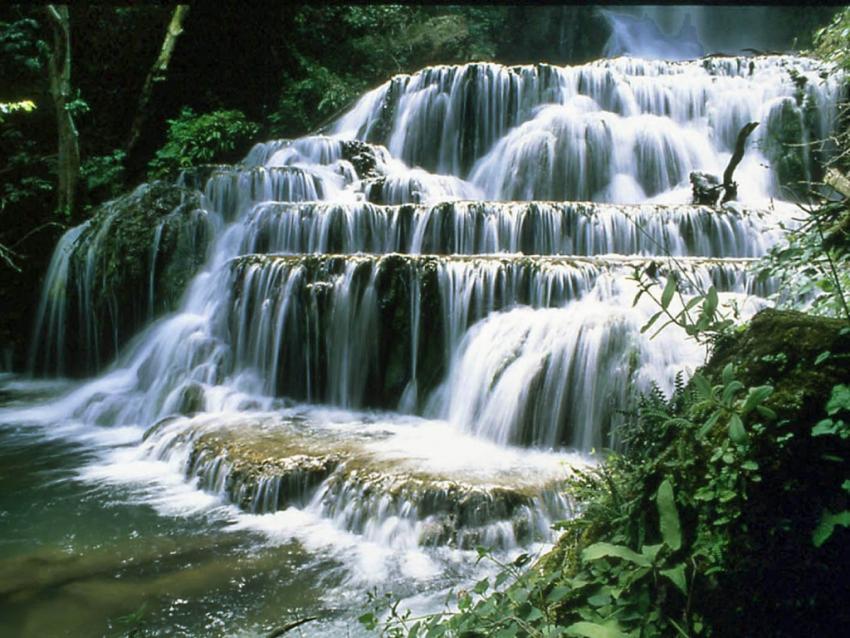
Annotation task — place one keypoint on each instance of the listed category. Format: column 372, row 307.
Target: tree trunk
column 157, row 73
column 59, row 67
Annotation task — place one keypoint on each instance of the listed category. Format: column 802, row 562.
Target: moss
column 772, row 557
column 109, row 281
column 783, row 144
column 781, row 348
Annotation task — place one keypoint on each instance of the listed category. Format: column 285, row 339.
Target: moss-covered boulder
column 787, row 350
column 130, row 262
column 792, row 587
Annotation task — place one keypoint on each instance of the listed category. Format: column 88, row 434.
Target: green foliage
column 700, row 316
column 830, row 42
column 305, row 103
column 10, row 107
column 201, row 139
column 813, row 267
column 838, row 409
column 77, row 106
column 21, row 46
column 370, row 44
column 103, row 175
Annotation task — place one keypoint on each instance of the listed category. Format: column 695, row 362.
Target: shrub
column 201, row 139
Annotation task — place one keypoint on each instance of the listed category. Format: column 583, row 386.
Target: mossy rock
column 781, row 348
column 363, row 157
column 773, row 558
column 117, row 282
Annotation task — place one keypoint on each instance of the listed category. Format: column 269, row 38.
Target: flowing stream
column 400, row 337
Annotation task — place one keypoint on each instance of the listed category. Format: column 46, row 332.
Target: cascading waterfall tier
column 365, row 479
column 532, row 228
column 429, row 256
column 614, row 130
column 314, row 327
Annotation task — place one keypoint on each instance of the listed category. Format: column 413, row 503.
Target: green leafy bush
column 201, row 139
column 831, row 41
column 104, row 175
column 305, row 103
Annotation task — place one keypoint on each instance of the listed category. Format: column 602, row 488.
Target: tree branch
column 730, row 187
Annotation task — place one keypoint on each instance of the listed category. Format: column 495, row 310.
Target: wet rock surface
column 362, row 478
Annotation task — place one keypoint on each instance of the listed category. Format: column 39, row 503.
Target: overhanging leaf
column 604, row 550
column 593, row 630
column 736, row 429
column 668, row 515
column 677, row 577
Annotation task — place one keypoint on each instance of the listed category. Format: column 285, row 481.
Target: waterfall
column 614, row 130
column 403, row 327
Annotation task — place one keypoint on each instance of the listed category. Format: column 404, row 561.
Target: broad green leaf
column 534, row 614
column 481, row 586
column 755, row 396
column 558, row 594
column 840, row 399
column 603, row 550
column 731, row 389
column 736, row 429
column 827, row 524
column 671, row 530
column 600, row 600
column 728, row 374
column 634, row 576
column 710, row 423
column 823, row 356
column 702, row 386
column 669, row 291
column 368, row 620
column 651, row 551
column 824, row 427
column 677, row 577
column 767, row 413
column 710, row 304
column 593, row 630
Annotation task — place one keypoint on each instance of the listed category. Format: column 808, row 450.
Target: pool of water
column 96, row 542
